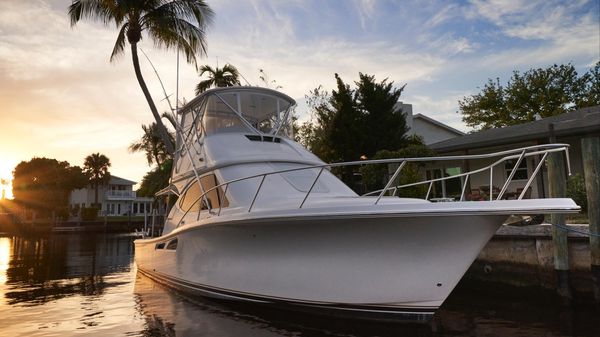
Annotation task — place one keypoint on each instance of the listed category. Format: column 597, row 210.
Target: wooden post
column 590, row 149
column 557, row 186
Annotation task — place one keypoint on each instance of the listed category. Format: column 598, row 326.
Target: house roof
column 576, row 123
column 438, row 123
column 114, row 180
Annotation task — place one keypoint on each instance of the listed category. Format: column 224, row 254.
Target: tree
column 228, row 76
column 152, row 145
column 44, row 184
column 385, row 124
column 352, row 123
column 376, row 176
column 537, row 93
column 156, row 179
column 179, row 24
column 96, row 167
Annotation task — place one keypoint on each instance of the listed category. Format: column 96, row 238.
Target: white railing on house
column 119, row 194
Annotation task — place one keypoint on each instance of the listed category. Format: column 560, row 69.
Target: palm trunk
column 95, row 194
column 161, row 127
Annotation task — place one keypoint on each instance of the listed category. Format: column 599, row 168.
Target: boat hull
column 373, row 265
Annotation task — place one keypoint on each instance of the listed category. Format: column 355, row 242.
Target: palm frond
column 203, row 86
column 100, row 10
column 168, row 29
column 120, row 43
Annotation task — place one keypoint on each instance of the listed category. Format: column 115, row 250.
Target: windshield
column 261, row 112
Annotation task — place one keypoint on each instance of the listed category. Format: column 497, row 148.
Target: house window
column 520, row 173
column 135, row 208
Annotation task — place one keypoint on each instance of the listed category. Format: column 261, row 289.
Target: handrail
column 519, row 154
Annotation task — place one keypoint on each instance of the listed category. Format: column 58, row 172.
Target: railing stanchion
column 429, row 190
column 464, row 188
column 491, row 182
column 389, row 183
column 533, row 175
column 311, row 187
column 510, row 177
column 256, row 194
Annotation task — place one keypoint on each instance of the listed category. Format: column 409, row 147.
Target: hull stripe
column 223, row 293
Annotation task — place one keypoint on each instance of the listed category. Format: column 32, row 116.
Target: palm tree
column 178, row 24
column 96, row 167
column 152, row 145
column 228, row 76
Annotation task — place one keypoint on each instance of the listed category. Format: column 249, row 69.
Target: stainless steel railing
column 519, row 154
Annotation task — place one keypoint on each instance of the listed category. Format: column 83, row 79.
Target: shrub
column 89, row 213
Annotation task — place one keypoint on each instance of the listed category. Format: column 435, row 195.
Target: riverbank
column 117, row 225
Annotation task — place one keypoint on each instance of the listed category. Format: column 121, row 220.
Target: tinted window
column 214, row 198
column 172, row 244
column 160, row 245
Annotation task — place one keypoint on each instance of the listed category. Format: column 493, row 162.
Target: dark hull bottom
column 341, row 310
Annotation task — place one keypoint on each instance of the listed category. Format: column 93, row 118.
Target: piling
column 590, row 149
column 557, row 187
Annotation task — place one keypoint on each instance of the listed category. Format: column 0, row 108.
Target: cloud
column 365, row 10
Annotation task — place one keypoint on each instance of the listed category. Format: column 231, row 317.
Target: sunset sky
column 61, row 98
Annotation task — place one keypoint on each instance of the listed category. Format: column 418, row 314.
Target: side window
column 190, row 197
column 172, row 244
column 214, row 198
column 160, row 245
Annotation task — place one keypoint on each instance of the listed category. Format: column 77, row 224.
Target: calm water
column 87, row 285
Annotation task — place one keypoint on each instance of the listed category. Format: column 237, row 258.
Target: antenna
column 177, row 86
column 163, row 86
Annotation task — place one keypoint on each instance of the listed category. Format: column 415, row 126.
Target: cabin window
column 520, row 173
column 214, row 198
column 160, row 245
column 172, row 245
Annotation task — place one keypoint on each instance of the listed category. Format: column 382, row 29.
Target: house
column 569, row 128
column 428, row 128
column 116, row 198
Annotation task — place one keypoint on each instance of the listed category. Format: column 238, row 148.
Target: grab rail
column 519, row 154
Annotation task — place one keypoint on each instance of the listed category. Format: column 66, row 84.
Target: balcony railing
column 120, row 195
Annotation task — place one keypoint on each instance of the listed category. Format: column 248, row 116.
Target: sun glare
column 4, row 258
column 6, row 181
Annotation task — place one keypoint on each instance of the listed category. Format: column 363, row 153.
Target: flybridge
column 260, row 113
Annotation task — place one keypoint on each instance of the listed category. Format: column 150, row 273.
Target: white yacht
column 259, row 218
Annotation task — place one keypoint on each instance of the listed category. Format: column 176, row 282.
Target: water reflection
column 44, row 269
column 4, row 258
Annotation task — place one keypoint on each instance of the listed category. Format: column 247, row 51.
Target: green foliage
column 376, row 176
column 152, row 145
column 174, row 24
column 95, row 166
column 89, row 213
column 352, row 123
column 227, row 76
column 155, row 180
column 537, row 92
column 576, row 191
column 44, row 184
